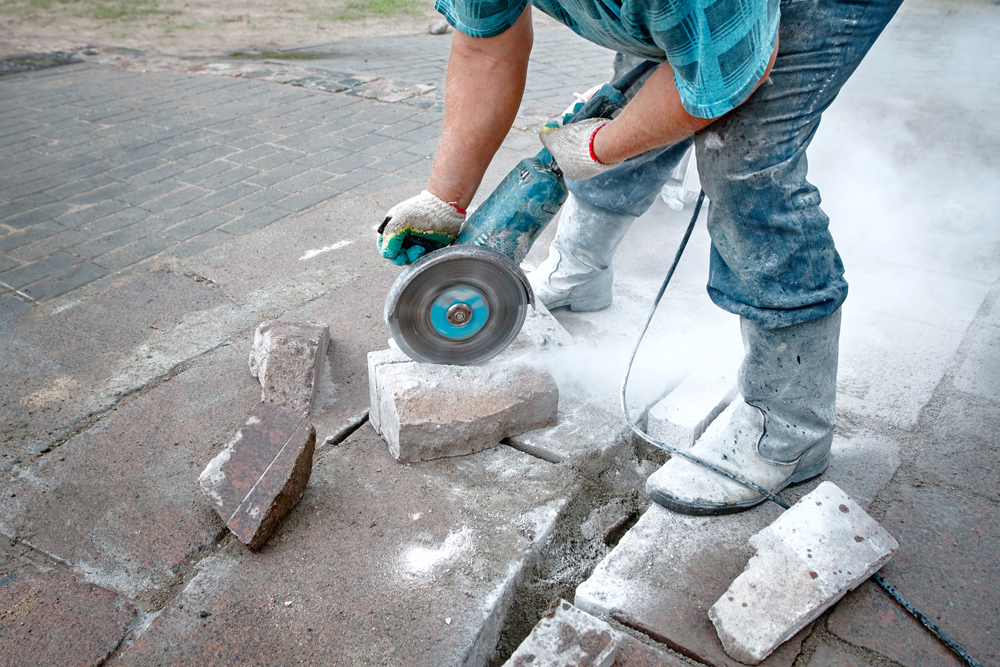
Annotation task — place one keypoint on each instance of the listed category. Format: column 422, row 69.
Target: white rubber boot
column 577, row 273
column 781, row 432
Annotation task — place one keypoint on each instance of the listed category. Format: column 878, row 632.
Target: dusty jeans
column 773, row 259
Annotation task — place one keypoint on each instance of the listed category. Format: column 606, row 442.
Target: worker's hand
column 416, row 226
column 573, row 148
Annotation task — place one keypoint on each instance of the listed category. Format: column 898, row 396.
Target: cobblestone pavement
column 154, row 210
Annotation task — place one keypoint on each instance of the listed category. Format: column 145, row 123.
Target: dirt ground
column 201, row 27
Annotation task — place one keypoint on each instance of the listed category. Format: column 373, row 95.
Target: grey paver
column 196, row 225
column 57, row 263
column 135, row 252
column 42, row 213
column 307, row 198
column 256, row 219
column 57, row 284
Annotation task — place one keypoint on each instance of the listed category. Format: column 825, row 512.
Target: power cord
column 878, row 578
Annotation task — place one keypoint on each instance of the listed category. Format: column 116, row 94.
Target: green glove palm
column 417, row 226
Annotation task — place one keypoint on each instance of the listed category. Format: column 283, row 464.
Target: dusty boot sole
column 709, row 509
column 581, row 305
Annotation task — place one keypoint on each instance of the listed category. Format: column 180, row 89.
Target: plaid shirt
column 718, row 49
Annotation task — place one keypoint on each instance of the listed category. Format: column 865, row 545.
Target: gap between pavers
column 407, row 564
column 669, row 568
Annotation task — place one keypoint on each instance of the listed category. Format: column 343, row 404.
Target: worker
column 746, row 81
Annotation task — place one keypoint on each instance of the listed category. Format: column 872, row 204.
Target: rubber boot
column 779, row 434
column 578, row 272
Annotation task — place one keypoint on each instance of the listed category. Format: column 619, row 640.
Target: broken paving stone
column 261, row 473
column 670, row 568
column 427, row 411
column 287, row 357
column 569, row 637
column 804, row 562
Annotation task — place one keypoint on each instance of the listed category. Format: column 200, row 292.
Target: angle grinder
column 465, row 303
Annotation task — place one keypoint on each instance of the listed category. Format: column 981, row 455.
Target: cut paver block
column 569, row 637
column 74, row 623
column 375, row 360
column 287, row 357
column 682, row 417
column 426, row 411
column 261, row 473
column 817, row 551
column 669, row 568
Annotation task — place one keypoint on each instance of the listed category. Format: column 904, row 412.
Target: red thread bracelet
column 593, row 156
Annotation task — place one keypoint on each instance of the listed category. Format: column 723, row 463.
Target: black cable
column 879, row 579
column 935, row 630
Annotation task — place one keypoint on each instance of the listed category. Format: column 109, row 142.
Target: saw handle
column 529, row 197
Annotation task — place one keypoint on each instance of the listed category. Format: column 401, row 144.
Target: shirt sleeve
column 481, row 18
column 719, row 51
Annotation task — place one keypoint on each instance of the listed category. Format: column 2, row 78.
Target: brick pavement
column 104, row 168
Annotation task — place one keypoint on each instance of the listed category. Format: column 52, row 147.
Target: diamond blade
column 458, row 305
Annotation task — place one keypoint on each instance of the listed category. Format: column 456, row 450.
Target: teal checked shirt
column 718, row 49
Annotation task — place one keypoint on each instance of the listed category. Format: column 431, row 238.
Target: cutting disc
column 458, row 305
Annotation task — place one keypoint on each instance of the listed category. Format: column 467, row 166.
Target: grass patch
column 174, row 27
column 361, row 9
column 124, row 10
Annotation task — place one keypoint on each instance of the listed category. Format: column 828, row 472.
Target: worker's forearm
column 484, row 88
column 654, row 118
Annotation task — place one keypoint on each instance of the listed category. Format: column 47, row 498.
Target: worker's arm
column 484, row 87
column 653, row 119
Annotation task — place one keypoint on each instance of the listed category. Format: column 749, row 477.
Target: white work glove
column 573, row 148
column 416, row 226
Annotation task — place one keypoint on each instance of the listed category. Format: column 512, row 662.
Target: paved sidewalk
column 154, row 210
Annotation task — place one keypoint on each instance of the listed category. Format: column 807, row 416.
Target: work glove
column 573, row 148
column 417, row 226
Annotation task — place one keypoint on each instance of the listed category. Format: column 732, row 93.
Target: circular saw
column 465, row 303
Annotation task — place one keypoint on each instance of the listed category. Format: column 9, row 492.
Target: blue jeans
column 773, row 259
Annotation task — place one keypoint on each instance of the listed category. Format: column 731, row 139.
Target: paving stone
column 66, row 281
column 941, row 569
column 684, row 414
column 426, row 411
column 381, row 563
column 981, row 369
column 50, row 618
column 670, row 568
column 962, row 450
column 261, row 473
column 828, row 656
column 803, row 563
column 890, row 366
column 114, row 502
column 287, row 357
column 567, row 637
